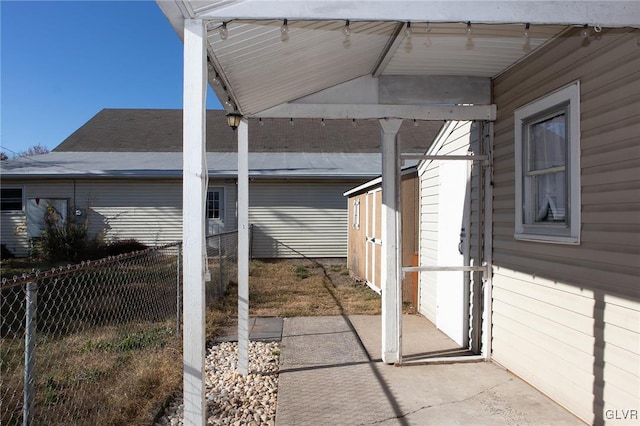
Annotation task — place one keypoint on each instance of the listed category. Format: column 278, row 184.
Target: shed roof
column 160, row 130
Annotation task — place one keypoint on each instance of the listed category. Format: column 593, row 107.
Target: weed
column 302, row 272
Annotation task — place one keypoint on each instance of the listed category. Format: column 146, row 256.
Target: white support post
column 243, row 247
column 194, row 185
column 391, row 243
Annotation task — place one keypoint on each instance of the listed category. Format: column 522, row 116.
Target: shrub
column 124, row 246
column 5, row 253
column 63, row 241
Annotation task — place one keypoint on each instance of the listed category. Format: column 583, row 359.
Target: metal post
column 29, row 352
column 220, row 274
column 178, row 311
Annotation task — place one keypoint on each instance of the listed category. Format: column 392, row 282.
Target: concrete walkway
column 329, row 377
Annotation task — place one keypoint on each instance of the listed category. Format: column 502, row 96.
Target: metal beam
column 434, row 90
column 576, row 12
column 194, row 186
column 365, row 112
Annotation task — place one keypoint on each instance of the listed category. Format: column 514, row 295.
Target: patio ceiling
column 258, row 69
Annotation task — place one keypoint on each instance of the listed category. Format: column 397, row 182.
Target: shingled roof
column 160, row 130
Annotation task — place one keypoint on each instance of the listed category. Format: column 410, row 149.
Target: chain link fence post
column 29, row 352
column 178, row 293
column 220, row 271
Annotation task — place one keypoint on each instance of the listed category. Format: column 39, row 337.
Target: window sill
column 551, row 239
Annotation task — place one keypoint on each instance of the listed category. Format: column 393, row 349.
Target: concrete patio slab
column 263, row 329
column 328, row 375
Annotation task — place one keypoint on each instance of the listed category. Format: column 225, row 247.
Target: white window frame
column 22, row 192
column 568, row 98
column 221, row 207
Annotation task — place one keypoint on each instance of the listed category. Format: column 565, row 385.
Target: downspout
column 488, row 246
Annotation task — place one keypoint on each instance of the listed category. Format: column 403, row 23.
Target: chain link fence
column 71, row 337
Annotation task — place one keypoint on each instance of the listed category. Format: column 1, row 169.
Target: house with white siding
column 121, row 173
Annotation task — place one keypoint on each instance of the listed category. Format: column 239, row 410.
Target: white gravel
column 233, row 399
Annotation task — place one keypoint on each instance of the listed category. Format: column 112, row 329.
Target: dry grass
column 303, row 288
column 124, row 374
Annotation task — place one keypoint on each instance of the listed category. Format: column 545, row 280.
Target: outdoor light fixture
column 407, row 31
column 346, row 30
column 322, row 123
column 585, row 31
column 469, row 29
column 233, row 119
column 223, row 32
column 285, row 27
column 525, row 34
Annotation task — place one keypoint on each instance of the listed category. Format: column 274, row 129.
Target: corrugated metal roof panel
column 446, row 50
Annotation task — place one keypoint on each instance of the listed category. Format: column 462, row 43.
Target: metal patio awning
column 448, row 49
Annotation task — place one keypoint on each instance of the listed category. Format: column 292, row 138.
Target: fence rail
column 68, row 334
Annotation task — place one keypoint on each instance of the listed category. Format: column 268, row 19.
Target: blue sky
column 63, row 61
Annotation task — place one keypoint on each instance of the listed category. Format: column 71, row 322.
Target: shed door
column 373, row 235
column 452, row 308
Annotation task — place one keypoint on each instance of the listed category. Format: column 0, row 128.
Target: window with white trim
column 215, row 203
column 547, row 159
column 11, row 199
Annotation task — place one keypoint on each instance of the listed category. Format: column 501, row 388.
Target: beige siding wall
column 567, row 318
column 292, row 219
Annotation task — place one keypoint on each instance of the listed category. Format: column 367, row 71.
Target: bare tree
column 33, row 150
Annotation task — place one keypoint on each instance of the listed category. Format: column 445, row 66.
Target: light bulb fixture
column 233, row 119
column 346, row 30
column 525, row 33
column 322, row 123
column 291, row 122
column 260, row 121
column 585, row 31
column 228, row 101
column 469, row 30
column 415, row 123
column 407, row 30
column 216, row 80
column 284, row 29
column 353, row 122
column 223, row 31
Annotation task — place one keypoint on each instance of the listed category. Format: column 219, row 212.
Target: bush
column 124, row 246
column 63, row 241
column 5, row 253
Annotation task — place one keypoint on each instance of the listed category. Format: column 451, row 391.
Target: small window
column 547, row 146
column 215, row 204
column 11, row 199
column 356, row 214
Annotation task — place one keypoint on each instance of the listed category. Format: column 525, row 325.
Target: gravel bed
column 233, row 399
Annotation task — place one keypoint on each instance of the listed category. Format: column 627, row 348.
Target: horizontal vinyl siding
column 149, row 211
column 567, row 318
column 293, row 219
